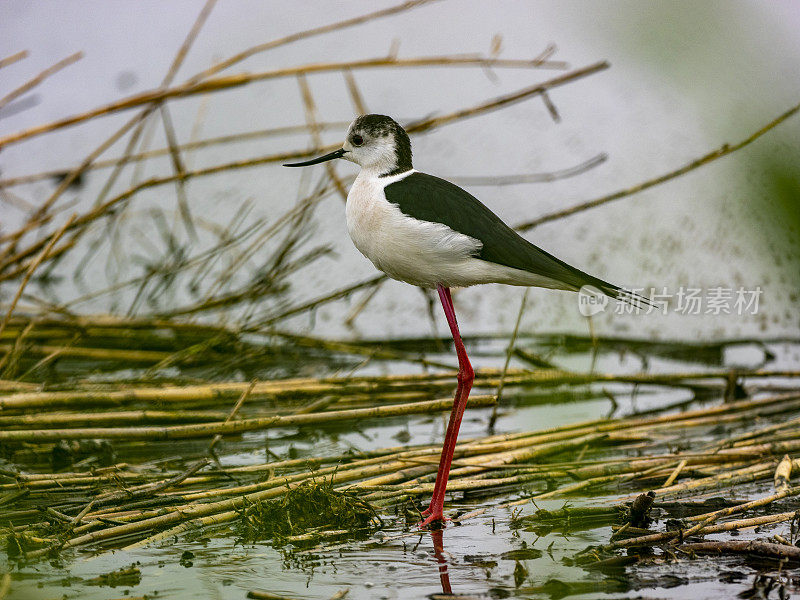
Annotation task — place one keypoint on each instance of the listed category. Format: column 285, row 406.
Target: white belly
column 417, row 252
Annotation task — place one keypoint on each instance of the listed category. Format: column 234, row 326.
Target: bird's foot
column 432, row 519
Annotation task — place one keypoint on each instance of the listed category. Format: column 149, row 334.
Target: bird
column 429, row 232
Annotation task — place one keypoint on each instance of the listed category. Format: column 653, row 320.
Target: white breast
column 418, row 252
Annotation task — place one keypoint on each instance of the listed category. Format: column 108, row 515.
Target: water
column 399, row 562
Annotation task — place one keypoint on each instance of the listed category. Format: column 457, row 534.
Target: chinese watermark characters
column 685, row 300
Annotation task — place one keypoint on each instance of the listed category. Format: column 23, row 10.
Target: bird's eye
column 357, row 140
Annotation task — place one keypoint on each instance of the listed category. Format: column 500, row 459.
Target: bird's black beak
column 335, row 154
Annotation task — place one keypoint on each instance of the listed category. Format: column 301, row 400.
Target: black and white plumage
column 429, row 232
column 426, row 231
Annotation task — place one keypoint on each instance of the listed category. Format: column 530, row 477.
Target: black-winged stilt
column 429, row 232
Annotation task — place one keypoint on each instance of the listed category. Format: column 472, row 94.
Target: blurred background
column 684, row 79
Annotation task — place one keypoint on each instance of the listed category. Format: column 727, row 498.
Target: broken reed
column 96, row 396
column 30, row 348
column 138, row 503
column 181, row 260
column 149, row 506
column 17, row 253
column 247, row 270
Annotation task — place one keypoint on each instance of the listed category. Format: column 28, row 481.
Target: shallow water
column 399, row 562
column 472, row 564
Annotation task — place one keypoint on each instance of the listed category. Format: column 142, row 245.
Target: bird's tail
column 627, row 296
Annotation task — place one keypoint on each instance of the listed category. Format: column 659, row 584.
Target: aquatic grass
column 303, row 509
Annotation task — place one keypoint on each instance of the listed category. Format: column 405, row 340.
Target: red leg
column 435, row 512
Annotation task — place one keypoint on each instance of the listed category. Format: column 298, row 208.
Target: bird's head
column 374, row 142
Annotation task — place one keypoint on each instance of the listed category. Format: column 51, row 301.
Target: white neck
column 375, row 174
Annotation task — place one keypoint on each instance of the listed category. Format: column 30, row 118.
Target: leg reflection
column 438, row 552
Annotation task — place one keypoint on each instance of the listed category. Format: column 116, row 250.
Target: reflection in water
column 438, row 552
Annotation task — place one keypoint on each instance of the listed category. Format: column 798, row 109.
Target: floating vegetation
column 568, row 518
column 303, row 510
column 97, row 462
column 140, row 500
column 128, row 576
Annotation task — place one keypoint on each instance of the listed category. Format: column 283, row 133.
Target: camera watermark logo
column 591, row 300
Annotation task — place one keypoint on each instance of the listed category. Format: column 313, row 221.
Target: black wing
column 430, row 198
